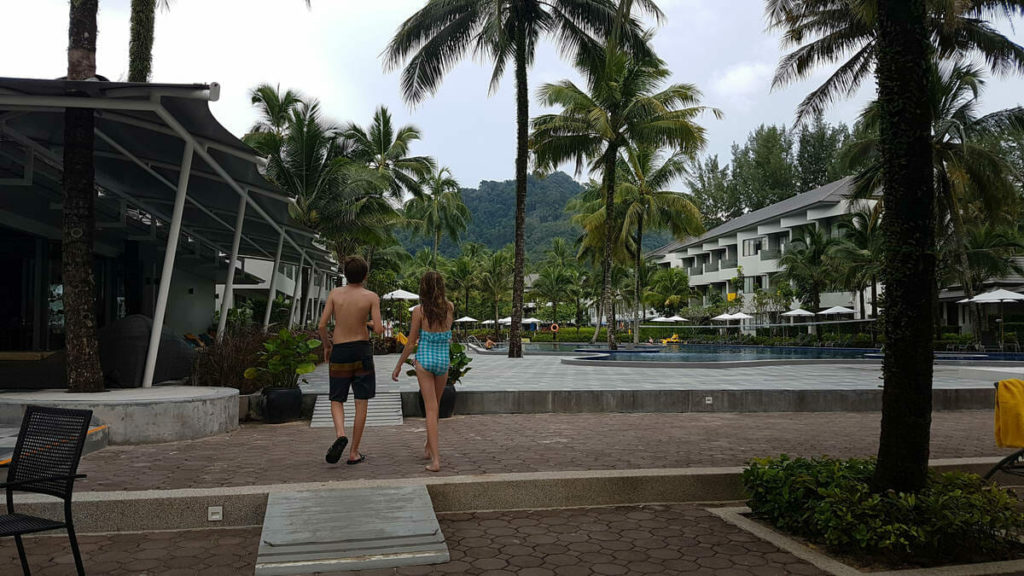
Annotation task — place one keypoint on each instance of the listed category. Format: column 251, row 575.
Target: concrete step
column 383, row 410
column 321, row 531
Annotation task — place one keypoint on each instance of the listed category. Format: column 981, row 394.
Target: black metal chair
column 45, row 461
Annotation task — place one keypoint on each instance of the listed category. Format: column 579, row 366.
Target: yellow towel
column 402, row 339
column 1010, row 414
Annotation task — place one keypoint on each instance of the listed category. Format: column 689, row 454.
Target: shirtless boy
column 350, row 354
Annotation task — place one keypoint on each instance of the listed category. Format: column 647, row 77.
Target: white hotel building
column 755, row 241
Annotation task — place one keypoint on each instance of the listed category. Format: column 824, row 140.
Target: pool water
column 715, row 353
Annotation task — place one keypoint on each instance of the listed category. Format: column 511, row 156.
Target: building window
column 753, row 246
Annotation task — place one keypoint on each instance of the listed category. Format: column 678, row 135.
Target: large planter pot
column 447, row 407
column 282, row 405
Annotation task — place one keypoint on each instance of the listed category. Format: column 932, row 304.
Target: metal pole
column 307, row 302
column 229, row 285
column 273, row 284
column 295, row 291
column 165, row 276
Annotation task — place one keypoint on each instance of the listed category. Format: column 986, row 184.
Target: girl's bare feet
column 433, row 467
column 426, row 452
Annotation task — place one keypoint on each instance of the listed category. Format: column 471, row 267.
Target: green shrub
column 285, row 357
column 958, row 517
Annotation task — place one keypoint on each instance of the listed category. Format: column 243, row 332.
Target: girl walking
column 430, row 335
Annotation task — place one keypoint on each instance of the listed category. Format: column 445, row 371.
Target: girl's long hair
column 432, row 299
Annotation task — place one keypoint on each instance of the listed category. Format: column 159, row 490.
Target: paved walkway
column 287, row 453
column 676, row 539
column 494, row 373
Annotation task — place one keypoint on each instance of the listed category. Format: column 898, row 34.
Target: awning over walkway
column 139, row 148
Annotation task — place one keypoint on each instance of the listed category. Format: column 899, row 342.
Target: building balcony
column 726, row 264
column 710, row 267
column 694, row 271
column 771, row 254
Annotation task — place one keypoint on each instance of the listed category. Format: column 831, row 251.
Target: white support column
column 165, row 277
column 229, row 285
column 295, row 291
column 307, row 302
column 271, row 295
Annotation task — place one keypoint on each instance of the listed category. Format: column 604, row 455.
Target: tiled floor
column 675, row 539
column 270, row 454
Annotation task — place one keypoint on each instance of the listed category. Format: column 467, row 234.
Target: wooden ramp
column 385, row 409
column 351, row 529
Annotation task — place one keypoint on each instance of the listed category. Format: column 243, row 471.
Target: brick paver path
column 676, row 539
column 199, row 552
column 265, row 454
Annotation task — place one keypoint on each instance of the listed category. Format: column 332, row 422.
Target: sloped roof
column 831, row 193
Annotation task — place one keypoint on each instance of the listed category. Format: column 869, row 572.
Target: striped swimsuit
column 432, row 351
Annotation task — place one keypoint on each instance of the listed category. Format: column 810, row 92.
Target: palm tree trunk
column 577, row 319
column 637, row 287
column 554, row 312
column 597, row 325
column 863, row 310
column 874, row 297
column 902, row 72
column 83, row 362
column 437, row 240
column 611, row 156
column 140, row 45
column 515, row 346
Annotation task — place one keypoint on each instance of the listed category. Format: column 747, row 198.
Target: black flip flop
column 362, row 457
column 336, row 449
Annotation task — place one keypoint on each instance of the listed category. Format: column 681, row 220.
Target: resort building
column 753, row 243
column 181, row 206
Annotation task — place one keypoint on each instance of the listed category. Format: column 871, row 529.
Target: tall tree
column 763, row 169
column 624, row 103
column 439, row 210
column 79, row 186
column 386, row 151
column 670, row 290
column 846, row 32
column 494, row 280
column 711, row 192
column 857, row 257
column 818, row 154
column 434, row 39
column 644, row 178
column 552, row 285
column 275, row 108
column 904, row 69
column 805, row 265
column 462, row 277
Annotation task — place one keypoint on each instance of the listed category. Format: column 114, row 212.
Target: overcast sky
column 332, row 52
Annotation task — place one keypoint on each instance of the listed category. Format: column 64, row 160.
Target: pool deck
column 544, row 373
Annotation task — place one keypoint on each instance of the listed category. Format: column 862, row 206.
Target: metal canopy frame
column 118, row 103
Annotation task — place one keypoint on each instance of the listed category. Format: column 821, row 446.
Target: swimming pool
column 713, row 354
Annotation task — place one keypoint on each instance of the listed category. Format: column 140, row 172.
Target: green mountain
column 493, row 208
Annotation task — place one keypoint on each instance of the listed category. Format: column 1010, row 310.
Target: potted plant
column 458, row 366
column 284, row 358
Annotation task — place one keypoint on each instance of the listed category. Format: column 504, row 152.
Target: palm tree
column 275, row 109
column 576, row 291
column 670, row 290
column 643, row 176
column 857, row 256
column 624, row 104
column 386, row 150
column 439, row 210
column 846, row 31
column 805, row 265
column 495, row 277
column 904, row 54
column 83, row 361
column 462, row 277
column 434, row 39
column 969, row 166
column 552, row 285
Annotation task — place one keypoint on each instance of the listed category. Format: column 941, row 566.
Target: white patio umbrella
column 400, row 295
column 530, row 321
column 835, row 311
column 466, row 319
column 677, row 319
column 741, row 316
column 998, row 296
column 505, row 321
column 662, row 319
column 798, row 312
column 723, row 317
column 487, row 322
